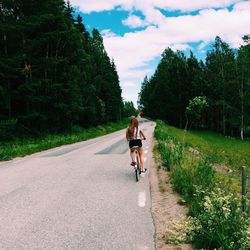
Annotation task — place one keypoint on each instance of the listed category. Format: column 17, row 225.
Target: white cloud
column 134, row 22
column 107, row 33
column 128, row 84
column 242, row 6
column 133, row 51
column 192, row 5
column 152, row 15
column 202, row 46
column 89, row 6
column 137, row 49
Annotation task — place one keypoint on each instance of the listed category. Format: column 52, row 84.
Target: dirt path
column 164, row 207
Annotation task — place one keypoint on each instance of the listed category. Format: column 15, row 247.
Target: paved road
column 80, row 196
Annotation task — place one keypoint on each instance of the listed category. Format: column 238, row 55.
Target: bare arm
column 127, row 136
column 142, row 134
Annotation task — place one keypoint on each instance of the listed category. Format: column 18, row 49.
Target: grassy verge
column 11, row 149
column 213, row 197
column 218, row 149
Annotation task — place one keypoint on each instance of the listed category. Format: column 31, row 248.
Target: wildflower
column 171, row 146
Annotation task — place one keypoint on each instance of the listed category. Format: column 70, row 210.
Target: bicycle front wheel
column 138, row 164
column 138, row 168
column 137, row 174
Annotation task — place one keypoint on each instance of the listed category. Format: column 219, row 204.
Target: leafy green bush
column 21, row 147
column 220, row 223
column 194, row 109
column 204, row 175
column 217, row 222
column 181, row 179
column 170, row 148
column 7, row 129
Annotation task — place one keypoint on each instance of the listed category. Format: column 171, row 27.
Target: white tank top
column 138, row 136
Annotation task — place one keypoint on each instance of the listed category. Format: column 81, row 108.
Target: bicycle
column 138, row 164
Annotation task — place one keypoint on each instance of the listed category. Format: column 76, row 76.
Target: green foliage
column 223, row 78
column 220, row 223
column 171, row 151
column 182, row 182
column 54, row 74
column 26, row 146
column 170, row 148
column 129, row 109
column 195, row 108
column 7, row 129
column 217, row 221
column 204, row 175
column 216, row 148
column 186, row 177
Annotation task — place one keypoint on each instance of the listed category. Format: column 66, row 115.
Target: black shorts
column 136, row 142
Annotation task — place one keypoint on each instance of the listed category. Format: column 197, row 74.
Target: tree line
column 223, row 78
column 54, row 74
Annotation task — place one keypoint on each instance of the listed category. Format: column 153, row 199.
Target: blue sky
column 136, row 32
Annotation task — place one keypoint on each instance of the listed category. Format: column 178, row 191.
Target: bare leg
column 140, row 151
column 132, row 155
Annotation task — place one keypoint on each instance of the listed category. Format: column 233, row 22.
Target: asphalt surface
column 80, row 196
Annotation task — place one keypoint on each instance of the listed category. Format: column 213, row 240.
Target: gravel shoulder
column 165, row 207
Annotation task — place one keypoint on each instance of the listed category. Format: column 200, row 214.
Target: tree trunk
column 8, row 81
column 186, row 126
column 56, row 55
column 9, row 99
column 242, row 110
column 4, row 36
column 47, row 57
column 5, row 44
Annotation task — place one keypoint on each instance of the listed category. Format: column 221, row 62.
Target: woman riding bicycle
column 134, row 135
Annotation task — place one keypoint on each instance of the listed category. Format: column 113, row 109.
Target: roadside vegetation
column 25, row 146
column 222, row 79
column 53, row 77
column 204, row 169
column 215, row 147
column 57, row 83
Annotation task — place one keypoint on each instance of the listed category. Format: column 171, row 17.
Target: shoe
column 133, row 163
column 145, row 170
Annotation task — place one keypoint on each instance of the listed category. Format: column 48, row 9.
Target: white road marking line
column 143, row 248
column 142, row 199
column 145, row 159
column 146, row 151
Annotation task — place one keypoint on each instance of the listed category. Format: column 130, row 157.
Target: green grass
column 230, row 153
column 218, row 149
column 212, row 196
column 19, row 148
column 222, row 153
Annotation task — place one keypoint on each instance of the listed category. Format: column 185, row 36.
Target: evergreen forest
column 54, row 74
column 223, row 78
